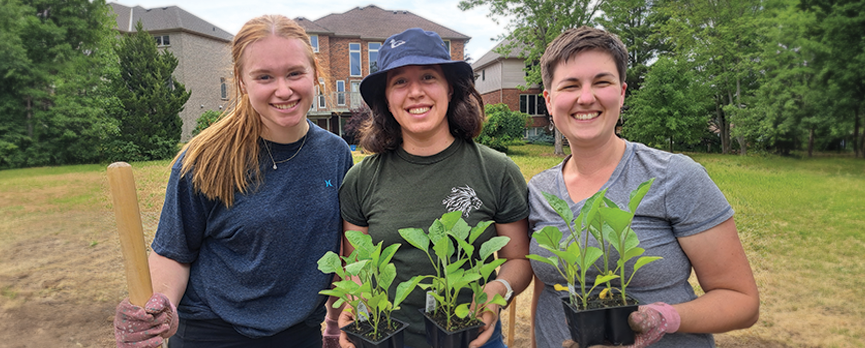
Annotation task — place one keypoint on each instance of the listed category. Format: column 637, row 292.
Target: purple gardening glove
column 652, row 321
column 330, row 336
column 145, row 327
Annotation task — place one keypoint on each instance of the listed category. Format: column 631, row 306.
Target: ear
column 547, row 101
column 242, row 87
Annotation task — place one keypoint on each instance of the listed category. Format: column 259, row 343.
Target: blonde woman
column 251, row 204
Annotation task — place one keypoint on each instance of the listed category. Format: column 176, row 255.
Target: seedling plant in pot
column 457, row 269
column 365, row 280
column 610, row 226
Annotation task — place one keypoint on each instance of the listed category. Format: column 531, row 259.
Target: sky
column 231, row 14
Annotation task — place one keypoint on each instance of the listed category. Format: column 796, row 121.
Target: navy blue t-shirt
column 255, row 265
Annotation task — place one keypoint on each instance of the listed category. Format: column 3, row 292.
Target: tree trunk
column 30, row 117
column 560, row 151
column 723, row 130
column 811, row 142
column 856, row 140
column 743, row 144
column 671, row 144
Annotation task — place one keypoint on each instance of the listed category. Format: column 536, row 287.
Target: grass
column 801, row 222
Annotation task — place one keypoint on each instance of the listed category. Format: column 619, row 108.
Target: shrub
column 502, row 127
column 206, row 119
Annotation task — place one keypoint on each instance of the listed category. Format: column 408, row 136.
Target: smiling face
column 279, row 78
column 585, row 98
column 418, row 97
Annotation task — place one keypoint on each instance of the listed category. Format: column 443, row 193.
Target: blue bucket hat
column 414, row 46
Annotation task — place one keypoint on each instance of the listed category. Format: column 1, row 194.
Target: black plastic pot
column 438, row 337
column 607, row 326
column 359, row 339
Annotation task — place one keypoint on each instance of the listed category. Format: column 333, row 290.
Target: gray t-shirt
column 683, row 201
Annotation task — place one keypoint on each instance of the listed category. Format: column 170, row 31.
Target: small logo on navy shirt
column 327, row 183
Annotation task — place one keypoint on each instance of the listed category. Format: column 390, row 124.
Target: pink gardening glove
column 330, row 336
column 652, row 321
column 145, row 327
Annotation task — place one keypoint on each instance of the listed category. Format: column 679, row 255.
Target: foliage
column 206, row 119
column 150, row 123
column 610, row 226
column 456, row 265
column 55, row 59
column 502, row 126
column 359, row 117
column 672, row 106
column 365, row 279
column 541, row 139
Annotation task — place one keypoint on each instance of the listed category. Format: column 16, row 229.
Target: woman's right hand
column 345, row 318
column 145, row 327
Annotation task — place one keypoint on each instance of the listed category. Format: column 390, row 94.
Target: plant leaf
column 331, row 263
column 356, row 267
column 478, row 230
column 405, row 288
column 548, row 237
column 493, row 245
column 550, row 261
column 416, row 237
column 386, row 274
column 462, row 310
column 488, row 268
column 560, row 206
column 387, row 254
column 644, row 261
column 361, row 242
column 638, row 194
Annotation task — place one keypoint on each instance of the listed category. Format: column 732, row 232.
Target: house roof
column 492, row 56
column 374, row 23
column 165, row 19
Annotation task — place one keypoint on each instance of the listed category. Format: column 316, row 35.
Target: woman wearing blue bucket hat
column 425, row 113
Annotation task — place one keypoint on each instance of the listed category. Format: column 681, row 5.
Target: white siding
column 492, row 80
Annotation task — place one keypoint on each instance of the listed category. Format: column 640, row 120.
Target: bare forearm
column 169, row 277
column 518, row 273
column 719, row 311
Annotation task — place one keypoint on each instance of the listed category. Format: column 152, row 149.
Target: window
column 354, row 59
column 484, row 75
column 162, row 41
column 532, row 104
column 340, row 92
column 322, row 103
column 223, row 88
column 312, row 105
column 448, row 46
column 373, row 56
column 313, row 40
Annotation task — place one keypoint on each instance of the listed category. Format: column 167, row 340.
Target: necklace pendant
column 274, row 166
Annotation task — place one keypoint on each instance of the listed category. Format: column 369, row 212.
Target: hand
column 145, row 327
column 652, row 321
column 330, row 336
column 345, row 318
column 489, row 316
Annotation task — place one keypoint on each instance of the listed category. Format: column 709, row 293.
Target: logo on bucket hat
column 414, row 46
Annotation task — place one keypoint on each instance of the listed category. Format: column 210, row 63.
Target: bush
column 206, row 119
column 502, row 127
column 542, row 139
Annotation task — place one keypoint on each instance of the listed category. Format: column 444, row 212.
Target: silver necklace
column 267, row 146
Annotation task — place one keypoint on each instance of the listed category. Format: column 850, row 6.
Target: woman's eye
column 263, row 77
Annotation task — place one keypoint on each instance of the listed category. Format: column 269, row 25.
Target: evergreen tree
column 151, row 99
column 55, row 57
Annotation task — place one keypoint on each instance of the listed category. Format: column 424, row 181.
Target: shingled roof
column 492, row 56
column 165, row 18
column 374, row 23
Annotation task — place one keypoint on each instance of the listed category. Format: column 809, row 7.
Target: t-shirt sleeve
column 694, row 202
column 182, row 222
column 514, row 195
column 349, row 198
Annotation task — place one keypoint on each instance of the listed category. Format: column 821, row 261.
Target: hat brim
column 374, row 84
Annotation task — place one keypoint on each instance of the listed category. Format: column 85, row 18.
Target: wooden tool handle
column 122, row 185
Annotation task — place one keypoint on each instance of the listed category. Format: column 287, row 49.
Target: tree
column 152, row 99
column 359, row 116
column 723, row 40
column 533, row 25
column 206, row 119
column 671, row 107
column 55, row 59
column 502, row 126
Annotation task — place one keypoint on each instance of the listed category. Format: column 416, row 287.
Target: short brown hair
column 574, row 41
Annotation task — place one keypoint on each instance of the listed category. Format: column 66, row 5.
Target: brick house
column 202, row 50
column 497, row 78
column 347, row 46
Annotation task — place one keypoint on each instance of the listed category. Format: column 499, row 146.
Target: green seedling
column 610, row 226
column 456, row 266
column 365, row 280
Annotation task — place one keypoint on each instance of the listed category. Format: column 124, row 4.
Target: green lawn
column 801, row 221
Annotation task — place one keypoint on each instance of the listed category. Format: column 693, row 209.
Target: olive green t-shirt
column 393, row 190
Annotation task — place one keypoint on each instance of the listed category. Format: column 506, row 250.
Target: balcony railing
column 340, row 102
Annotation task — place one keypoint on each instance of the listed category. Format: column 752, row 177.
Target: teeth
column 284, row 106
column 418, row 110
column 584, row 116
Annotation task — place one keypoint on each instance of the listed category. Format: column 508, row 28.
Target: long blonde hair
column 225, row 156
